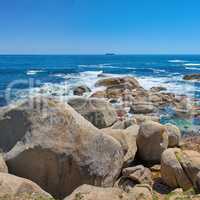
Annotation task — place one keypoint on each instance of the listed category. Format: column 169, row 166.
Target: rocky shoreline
column 111, row 145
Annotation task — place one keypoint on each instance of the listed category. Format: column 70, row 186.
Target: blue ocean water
column 20, row 74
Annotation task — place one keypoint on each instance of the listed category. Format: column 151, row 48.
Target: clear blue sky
column 99, row 26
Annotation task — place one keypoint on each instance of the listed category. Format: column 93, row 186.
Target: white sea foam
column 192, row 68
column 177, row 61
column 192, row 64
column 33, row 72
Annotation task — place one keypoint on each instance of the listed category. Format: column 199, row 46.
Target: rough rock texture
column 139, row 174
column 127, row 139
column 80, row 90
column 3, row 166
column 152, row 140
column 140, row 118
column 127, row 82
column 143, row 108
column 99, row 112
column 51, row 144
column 13, row 186
column 174, row 135
column 180, row 168
column 87, row 192
column 123, row 124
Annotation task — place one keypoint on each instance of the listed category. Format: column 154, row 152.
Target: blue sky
column 99, row 26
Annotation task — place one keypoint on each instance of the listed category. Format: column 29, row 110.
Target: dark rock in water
column 80, row 90
column 99, row 112
column 12, row 186
column 158, row 89
column 51, row 144
column 192, row 77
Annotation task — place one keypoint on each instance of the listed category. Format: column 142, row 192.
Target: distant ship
column 110, row 54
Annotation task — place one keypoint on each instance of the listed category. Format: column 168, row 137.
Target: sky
column 99, row 26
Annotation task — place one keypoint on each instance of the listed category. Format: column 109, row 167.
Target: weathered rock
column 98, row 94
column 141, row 192
column 99, row 112
column 180, row 168
column 174, row 135
column 127, row 139
column 11, row 186
column 80, row 90
column 51, row 144
column 152, row 140
column 3, row 166
column 128, row 82
column 192, row 77
column 87, row 192
column 142, row 108
column 138, row 174
column 124, row 124
column 140, row 118
column 158, row 89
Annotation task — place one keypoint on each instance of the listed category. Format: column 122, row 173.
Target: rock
column 158, row 89
column 192, row 77
column 138, row 174
column 80, row 90
column 180, row 168
column 123, row 124
column 127, row 82
column 174, row 135
column 141, row 192
column 3, row 166
column 11, row 185
column 51, row 144
column 143, row 108
column 87, row 192
column 152, row 140
column 99, row 112
column 141, row 118
column 98, row 94
column 127, row 139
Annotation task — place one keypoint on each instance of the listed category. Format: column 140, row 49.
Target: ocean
column 21, row 75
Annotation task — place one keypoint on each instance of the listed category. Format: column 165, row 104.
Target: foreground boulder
column 99, row 112
column 152, row 140
column 127, row 139
column 87, row 192
column 3, row 166
column 51, row 144
column 11, row 186
column 180, row 168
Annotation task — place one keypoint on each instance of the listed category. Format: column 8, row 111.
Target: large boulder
column 174, row 135
column 99, row 112
column 12, row 186
column 180, row 168
column 51, row 144
column 3, row 166
column 127, row 82
column 127, row 139
column 143, row 108
column 152, row 140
